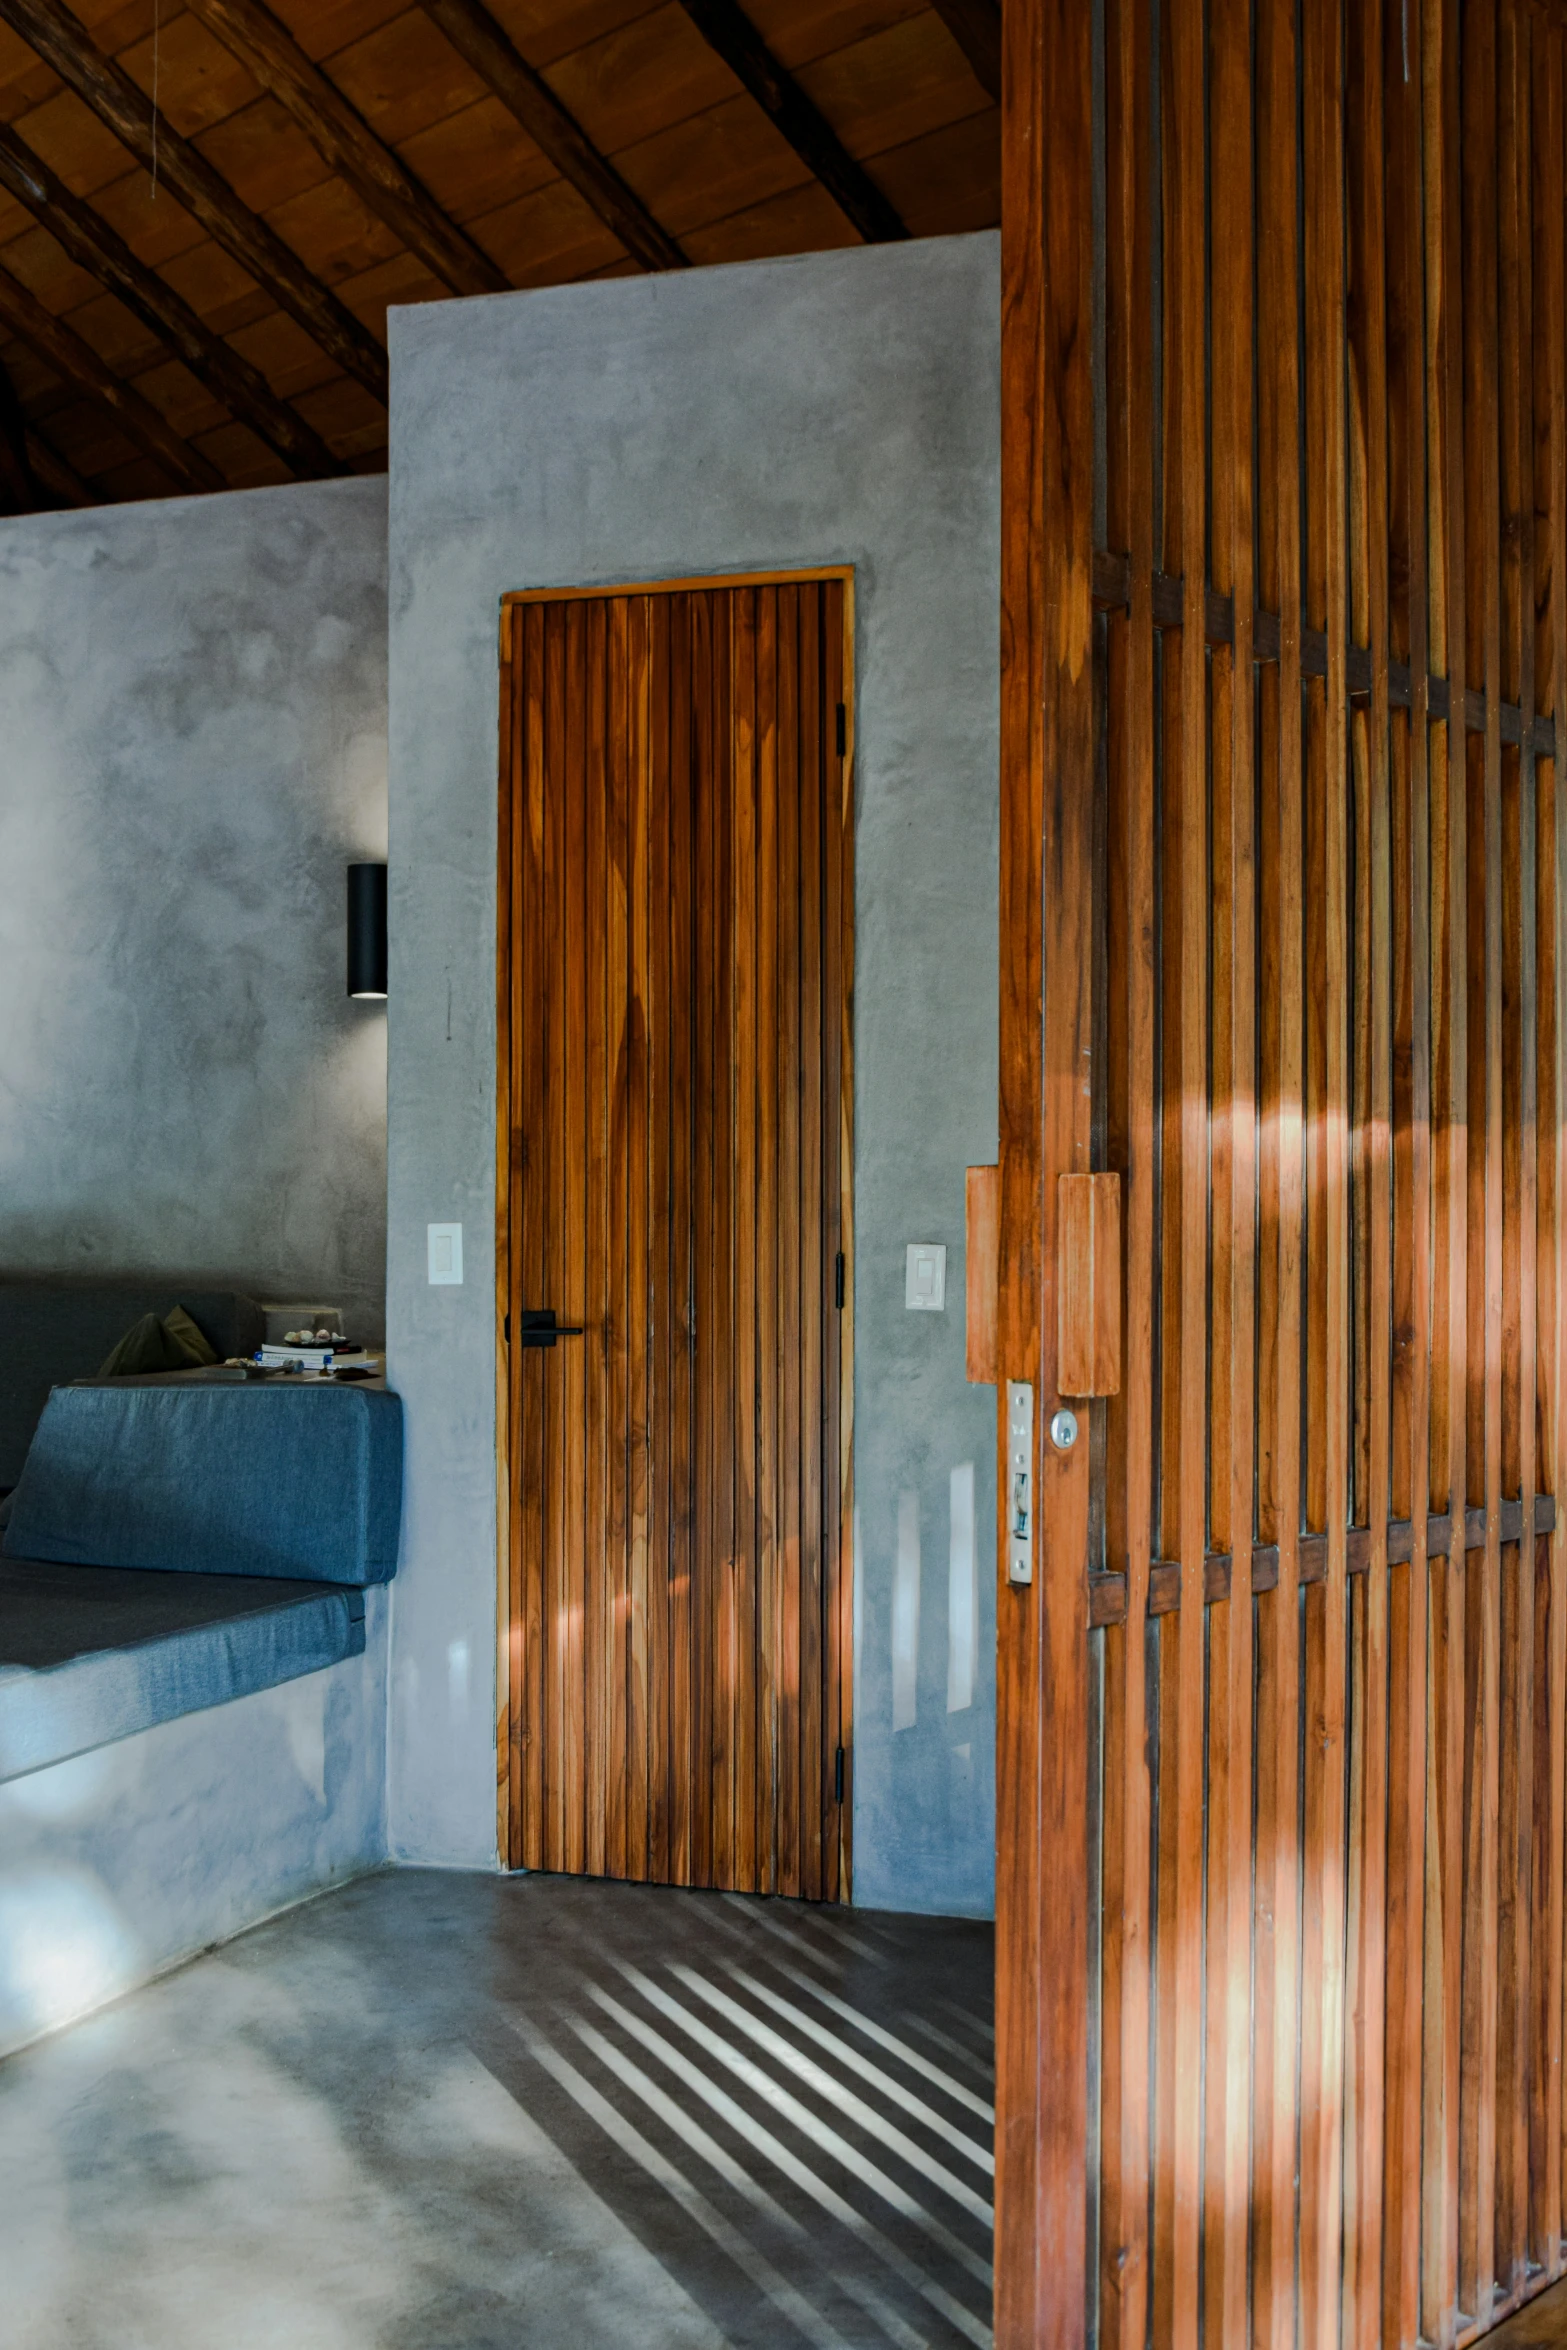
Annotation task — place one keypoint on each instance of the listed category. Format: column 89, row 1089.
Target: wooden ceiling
column 206, row 208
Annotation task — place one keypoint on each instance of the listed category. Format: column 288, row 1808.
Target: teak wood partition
column 673, row 1187
column 1284, row 948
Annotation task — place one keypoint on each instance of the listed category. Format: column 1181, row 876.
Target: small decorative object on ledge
column 367, row 932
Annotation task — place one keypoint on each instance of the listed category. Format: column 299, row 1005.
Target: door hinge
column 506, row 1330
column 843, row 730
column 837, row 1777
column 837, row 1284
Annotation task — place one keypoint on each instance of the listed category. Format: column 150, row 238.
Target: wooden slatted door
column 674, row 972
column 1283, row 1713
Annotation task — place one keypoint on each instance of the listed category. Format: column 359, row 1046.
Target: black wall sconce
column 367, row 932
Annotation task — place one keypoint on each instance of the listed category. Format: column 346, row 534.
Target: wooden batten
column 1088, row 1285
column 982, row 1262
column 1284, row 891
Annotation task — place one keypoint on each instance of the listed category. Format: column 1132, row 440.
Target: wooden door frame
column 508, row 1631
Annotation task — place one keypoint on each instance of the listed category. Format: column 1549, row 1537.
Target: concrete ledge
column 120, row 1863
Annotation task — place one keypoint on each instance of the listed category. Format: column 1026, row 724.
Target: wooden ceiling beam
column 726, row 28
column 89, row 240
column 346, row 143
column 50, row 470
column 62, row 348
column 480, row 42
column 60, row 40
column 19, row 492
column 975, row 25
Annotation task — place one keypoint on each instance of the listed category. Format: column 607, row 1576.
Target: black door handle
column 540, row 1328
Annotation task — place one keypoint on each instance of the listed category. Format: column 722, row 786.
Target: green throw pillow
column 189, row 1335
column 174, row 1344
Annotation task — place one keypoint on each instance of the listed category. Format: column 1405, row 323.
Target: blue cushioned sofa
column 173, row 1545
column 192, row 1673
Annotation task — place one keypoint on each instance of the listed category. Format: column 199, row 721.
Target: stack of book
column 314, row 1358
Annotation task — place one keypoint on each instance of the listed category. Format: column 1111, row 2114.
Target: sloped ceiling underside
column 206, row 209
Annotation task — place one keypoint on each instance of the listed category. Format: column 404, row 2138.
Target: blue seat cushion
column 92, row 1654
column 271, row 1480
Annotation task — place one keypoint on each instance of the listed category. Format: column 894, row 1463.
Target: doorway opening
column 674, row 1232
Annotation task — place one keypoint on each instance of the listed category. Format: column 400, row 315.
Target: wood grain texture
column 345, row 141
column 982, row 1270
column 1088, row 1284
column 427, row 147
column 1324, row 1052
column 731, row 33
column 121, row 104
column 482, row 43
column 63, row 349
column 1046, row 896
column 96, row 246
column 675, row 1182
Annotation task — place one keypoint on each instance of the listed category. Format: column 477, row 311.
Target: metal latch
column 540, row 1328
column 1020, row 1482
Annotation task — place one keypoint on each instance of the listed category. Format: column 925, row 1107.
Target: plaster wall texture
column 841, row 408
column 193, row 708
column 120, row 1863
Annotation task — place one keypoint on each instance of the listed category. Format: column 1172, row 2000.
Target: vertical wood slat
column 1187, row 917
column 1045, row 902
column 837, row 1508
column 765, row 1640
column 1369, row 536
column 1124, row 2270
column 1234, row 1019
column 1281, row 1180
column 788, row 1872
column 672, row 1541
column 1518, row 1079
column 1409, row 1434
column 1550, row 538
column 1328, row 1366
column 818, row 1735
column 1449, row 846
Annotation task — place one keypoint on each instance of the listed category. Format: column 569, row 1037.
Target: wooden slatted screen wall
column 1284, row 863
column 674, row 1143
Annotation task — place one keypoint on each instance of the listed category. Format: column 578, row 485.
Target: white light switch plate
column 445, row 1254
column 925, row 1278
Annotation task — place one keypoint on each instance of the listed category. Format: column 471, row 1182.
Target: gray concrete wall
column 121, row 1862
column 193, row 722
column 837, row 409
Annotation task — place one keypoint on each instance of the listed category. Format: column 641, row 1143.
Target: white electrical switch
column 445, row 1254
column 925, row 1278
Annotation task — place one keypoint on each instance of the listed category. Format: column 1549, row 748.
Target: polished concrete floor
column 435, row 2112
column 1540, row 2325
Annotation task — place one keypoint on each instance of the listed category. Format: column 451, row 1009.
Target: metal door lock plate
column 1020, row 1482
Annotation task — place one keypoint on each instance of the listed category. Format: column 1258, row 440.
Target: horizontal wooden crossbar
column 1107, row 1593
column 1113, row 593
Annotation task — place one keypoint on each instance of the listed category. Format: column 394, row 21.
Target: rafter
column 479, row 40
column 62, row 348
column 98, row 248
column 975, row 25
column 18, row 488
column 345, row 142
column 52, row 473
column 726, row 28
column 60, row 40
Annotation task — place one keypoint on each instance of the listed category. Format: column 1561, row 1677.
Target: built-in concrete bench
column 174, row 1545
column 192, row 1657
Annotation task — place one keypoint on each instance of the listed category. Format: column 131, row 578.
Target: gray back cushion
column 51, row 1331
column 299, row 1482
